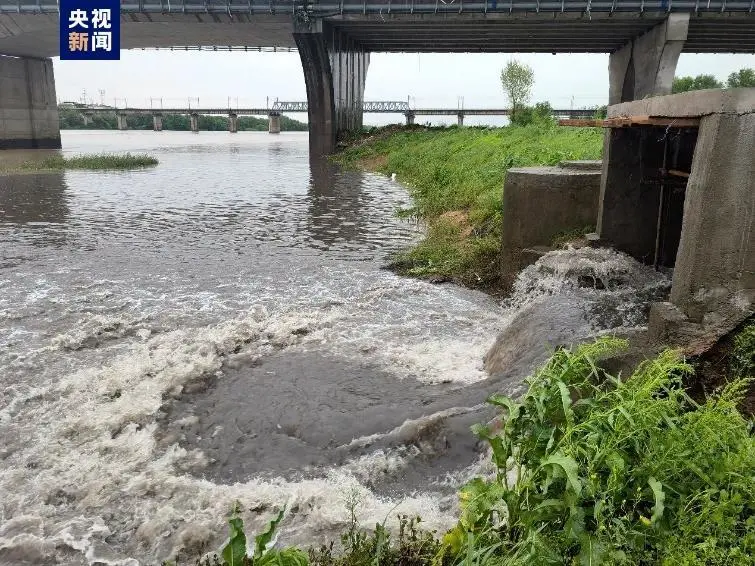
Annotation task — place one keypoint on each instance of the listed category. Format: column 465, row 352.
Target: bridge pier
column 157, row 122
column 645, row 66
column 460, row 119
column 28, row 105
column 233, row 123
column 335, row 68
column 194, row 122
column 86, row 118
column 274, row 123
column 409, row 118
column 121, row 122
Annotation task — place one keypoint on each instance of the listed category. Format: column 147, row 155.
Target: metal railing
column 336, row 7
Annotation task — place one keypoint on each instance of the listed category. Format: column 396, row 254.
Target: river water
column 219, row 328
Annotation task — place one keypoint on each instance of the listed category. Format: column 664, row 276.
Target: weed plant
column 462, row 170
column 99, row 161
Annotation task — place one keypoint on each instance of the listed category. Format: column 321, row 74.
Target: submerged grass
column 591, row 469
column 97, row 161
column 456, row 178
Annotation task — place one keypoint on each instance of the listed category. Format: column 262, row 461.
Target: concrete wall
column 28, row 105
column 539, row 203
column 715, row 264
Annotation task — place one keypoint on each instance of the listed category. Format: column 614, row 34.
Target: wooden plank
column 677, row 173
column 628, row 121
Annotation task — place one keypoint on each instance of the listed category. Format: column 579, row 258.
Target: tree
column 517, row 79
column 743, row 77
column 685, row 84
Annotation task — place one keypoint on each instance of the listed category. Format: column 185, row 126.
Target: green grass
column 97, row 161
column 462, row 171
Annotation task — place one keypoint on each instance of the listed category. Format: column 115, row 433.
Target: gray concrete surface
column 715, row 265
column 28, row 106
column 645, row 66
column 690, row 104
column 541, row 203
column 335, row 70
column 274, row 124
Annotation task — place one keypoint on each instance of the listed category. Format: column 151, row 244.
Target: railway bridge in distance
column 274, row 113
column 335, row 38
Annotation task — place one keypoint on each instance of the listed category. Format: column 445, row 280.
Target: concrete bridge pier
column 86, row 118
column 233, row 123
column 646, row 65
column 274, row 123
column 460, row 119
column 409, row 118
column 121, row 122
column 194, row 121
column 28, row 105
column 335, row 68
column 157, row 122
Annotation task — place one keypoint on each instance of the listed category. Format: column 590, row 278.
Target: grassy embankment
column 94, row 162
column 591, row 469
column 455, row 176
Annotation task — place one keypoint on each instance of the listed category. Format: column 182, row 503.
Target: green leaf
column 263, row 541
column 566, row 403
column 591, row 551
column 234, row 552
column 660, row 497
column 286, row 557
column 569, row 466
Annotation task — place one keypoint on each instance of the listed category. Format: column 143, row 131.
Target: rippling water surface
column 218, row 328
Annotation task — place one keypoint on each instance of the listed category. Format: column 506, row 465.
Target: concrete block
column 28, row 105
column 539, row 203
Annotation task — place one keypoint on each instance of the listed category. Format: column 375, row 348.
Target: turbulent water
column 219, row 328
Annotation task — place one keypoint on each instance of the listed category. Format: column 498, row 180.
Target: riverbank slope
column 455, row 176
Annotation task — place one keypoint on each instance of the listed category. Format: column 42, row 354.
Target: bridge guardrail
column 334, row 7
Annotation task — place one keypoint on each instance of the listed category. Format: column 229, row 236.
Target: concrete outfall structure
column 28, row 105
column 684, row 198
column 541, row 203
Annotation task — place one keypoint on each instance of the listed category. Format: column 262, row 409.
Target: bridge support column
column 274, row 123
column 194, row 121
column 335, row 68
column 28, row 105
column 460, row 119
column 86, row 118
column 157, row 123
column 409, row 118
column 233, row 123
column 645, row 66
column 121, row 122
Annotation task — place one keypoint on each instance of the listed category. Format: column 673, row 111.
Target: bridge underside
column 335, row 46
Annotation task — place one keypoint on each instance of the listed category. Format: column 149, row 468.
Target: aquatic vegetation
column 96, row 161
column 460, row 172
column 591, row 469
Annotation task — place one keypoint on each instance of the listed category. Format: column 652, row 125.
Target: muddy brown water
column 219, row 328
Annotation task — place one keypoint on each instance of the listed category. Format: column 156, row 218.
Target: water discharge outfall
column 174, row 340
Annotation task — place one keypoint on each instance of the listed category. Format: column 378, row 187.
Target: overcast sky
column 430, row 79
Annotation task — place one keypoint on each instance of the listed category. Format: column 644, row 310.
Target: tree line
column 738, row 79
column 73, row 119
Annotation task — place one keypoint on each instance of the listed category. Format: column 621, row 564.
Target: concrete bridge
column 335, row 37
column 274, row 113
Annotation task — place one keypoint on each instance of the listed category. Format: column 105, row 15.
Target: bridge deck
column 29, row 28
